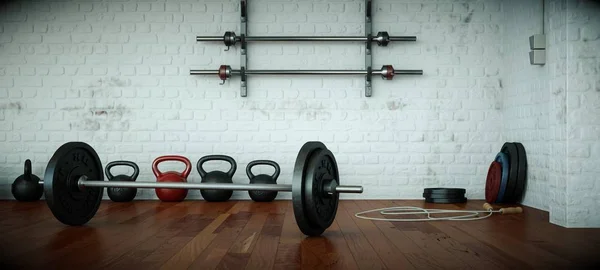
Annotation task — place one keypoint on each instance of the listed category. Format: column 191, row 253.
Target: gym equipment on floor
column 74, row 184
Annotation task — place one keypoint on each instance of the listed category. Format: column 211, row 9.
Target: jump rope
column 410, row 210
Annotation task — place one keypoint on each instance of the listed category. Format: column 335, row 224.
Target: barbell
column 387, row 72
column 74, row 185
column 230, row 38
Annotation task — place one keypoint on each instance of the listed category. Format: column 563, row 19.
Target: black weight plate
column 522, row 172
column 68, row 203
column 298, row 178
column 320, row 207
column 510, row 149
column 444, row 191
column 443, row 196
column 456, row 200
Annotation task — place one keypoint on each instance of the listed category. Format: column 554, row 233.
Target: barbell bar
column 230, row 38
column 83, row 182
column 387, row 72
column 74, row 198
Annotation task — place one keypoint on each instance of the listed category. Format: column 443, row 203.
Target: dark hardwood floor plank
column 492, row 254
column 128, row 237
column 34, row 238
column 418, row 257
column 170, row 219
column 68, row 240
column 387, row 251
column 249, row 235
column 489, row 232
column 462, row 246
column 226, row 235
column 28, row 227
column 427, row 237
column 163, row 245
column 359, row 245
column 573, row 245
column 239, row 253
column 288, row 251
column 327, row 252
column 263, row 254
column 185, row 256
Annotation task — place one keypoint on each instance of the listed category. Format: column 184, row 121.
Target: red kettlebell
column 169, row 194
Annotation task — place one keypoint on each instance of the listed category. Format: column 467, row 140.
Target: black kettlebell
column 118, row 194
column 260, row 195
column 215, row 195
column 26, row 187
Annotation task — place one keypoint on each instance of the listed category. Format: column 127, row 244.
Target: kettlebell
column 213, row 195
column 26, row 187
column 261, row 195
column 168, row 194
column 117, row 194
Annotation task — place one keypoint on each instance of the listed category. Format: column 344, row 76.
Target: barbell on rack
column 230, row 38
column 74, row 184
column 387, row 72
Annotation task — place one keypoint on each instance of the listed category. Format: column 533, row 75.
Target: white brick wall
column 553, row 109
column 531, row 92
column 115, row 75
column 583, row 114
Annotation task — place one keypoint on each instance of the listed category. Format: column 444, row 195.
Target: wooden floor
column 248, row 235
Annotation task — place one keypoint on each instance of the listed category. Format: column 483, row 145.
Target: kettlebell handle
column 136, row 169
column 186, row 171
column 216, row 157
column 263, row 162
column 27, row 169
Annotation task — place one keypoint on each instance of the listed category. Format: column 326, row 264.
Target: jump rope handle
column 504, row 211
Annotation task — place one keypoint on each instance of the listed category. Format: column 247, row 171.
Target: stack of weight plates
column 444, row 195
column 507, row 175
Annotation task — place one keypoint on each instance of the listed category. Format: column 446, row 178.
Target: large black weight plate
column 320, row 207
column 510, row 149
column 298, row 183
column 522, row 172
column 68, row 204
column 456, row 200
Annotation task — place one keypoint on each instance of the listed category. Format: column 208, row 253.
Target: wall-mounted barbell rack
column 231, row 39
column 225, row 72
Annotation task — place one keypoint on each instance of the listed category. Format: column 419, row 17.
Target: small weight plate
column 456, row 200
column 522, row 172
column 503, row 160
column 510, row 149
column 444, row 191
column 298, row 183
column 493, row 181
column 320, row 207
column 68, row 203
column 443, row 196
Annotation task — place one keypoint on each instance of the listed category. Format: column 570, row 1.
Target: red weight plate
column 492, row 184
column 390, row 72
column 223, row 72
